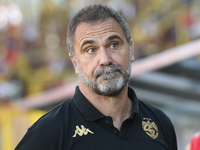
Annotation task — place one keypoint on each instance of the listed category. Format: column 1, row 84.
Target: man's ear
column 132, row 51
column 74, row 63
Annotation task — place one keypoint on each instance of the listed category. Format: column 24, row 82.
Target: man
column 104, row 113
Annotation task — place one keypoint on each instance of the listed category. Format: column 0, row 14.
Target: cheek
column 88, row 67
column 121, row 59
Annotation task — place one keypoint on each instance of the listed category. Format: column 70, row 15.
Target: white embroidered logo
column 81, row 131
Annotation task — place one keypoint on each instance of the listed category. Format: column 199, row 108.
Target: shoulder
column 153, row 111
column 164, row 123
column 48, row 130
column 157, row 116
column 51, row 122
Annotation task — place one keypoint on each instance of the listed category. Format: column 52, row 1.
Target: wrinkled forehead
column 97, row 29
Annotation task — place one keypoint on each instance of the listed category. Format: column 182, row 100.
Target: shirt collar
column 90, row 113
column 133, row 97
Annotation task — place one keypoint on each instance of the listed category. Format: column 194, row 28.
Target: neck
column 118, row 107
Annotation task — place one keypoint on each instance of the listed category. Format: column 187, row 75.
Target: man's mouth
column 109, row 76
column 109, row 72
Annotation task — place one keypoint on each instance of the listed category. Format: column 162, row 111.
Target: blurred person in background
column 194, row 143
column 104, row 112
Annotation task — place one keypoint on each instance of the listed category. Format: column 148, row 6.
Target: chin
column 111, row 88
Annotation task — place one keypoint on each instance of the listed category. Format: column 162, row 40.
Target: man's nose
column 105, row 57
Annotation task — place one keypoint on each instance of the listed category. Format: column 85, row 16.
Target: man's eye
column 114, row 45
column 90, row 50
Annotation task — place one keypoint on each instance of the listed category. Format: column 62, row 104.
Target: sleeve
column 169, row 131
column 34, row 139
column 173, row 139
column 195, row 141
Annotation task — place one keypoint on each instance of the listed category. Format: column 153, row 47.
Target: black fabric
column 77, row 125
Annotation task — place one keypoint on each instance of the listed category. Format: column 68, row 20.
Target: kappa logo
column 150, row 128
column 81, row 131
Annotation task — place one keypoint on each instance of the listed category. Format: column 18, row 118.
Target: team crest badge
column 150, row 128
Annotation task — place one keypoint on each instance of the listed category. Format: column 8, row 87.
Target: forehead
column 98, row 29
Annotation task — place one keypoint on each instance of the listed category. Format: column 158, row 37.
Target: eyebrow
column 115, row 37
column 87, row 42
column 108, row 39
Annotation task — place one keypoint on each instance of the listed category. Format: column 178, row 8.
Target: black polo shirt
column 77, row 125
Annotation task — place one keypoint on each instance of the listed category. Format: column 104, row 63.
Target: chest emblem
column 82, row 131
column 150, row 128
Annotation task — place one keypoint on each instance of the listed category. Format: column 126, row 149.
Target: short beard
column 111, row 86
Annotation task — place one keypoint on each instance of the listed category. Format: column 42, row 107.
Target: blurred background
column 36, row 73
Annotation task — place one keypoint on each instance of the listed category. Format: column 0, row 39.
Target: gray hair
column 91, row 14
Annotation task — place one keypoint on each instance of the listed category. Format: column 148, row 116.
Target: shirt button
column 107, row 121
column 114, row 131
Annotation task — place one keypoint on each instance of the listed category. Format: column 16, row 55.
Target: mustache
column 108, row 69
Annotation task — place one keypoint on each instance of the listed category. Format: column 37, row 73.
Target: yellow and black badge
column 150, row 128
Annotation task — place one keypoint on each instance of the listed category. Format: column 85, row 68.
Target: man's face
column 103, row 57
